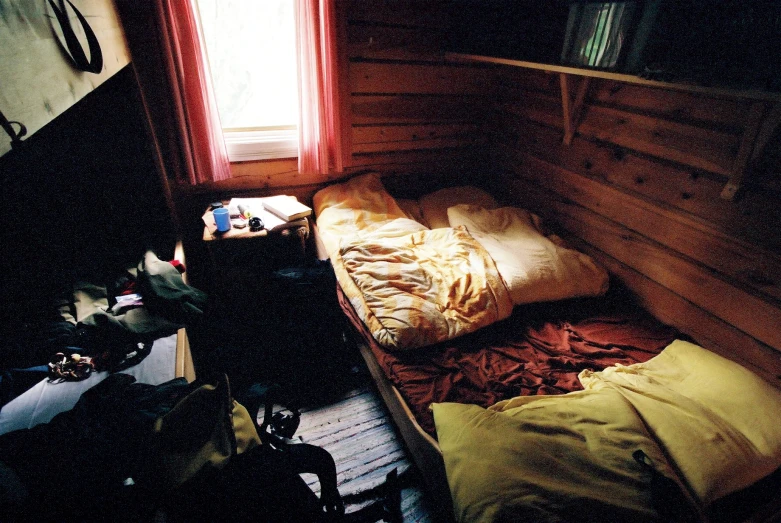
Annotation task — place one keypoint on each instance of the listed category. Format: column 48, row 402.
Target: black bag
column 264, row 483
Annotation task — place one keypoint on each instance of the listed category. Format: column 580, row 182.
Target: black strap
column 76, row 52
column 303, row 458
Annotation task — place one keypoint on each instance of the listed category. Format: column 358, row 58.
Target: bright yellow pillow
column 541, row 458
column 718, row 421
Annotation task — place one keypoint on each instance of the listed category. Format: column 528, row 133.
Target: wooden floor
column 357, row 431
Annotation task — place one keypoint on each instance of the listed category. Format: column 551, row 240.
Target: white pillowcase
column 534, row 267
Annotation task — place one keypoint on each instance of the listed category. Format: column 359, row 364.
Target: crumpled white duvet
column 534, row 267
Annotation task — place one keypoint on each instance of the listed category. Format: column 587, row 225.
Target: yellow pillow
column 345, row 209
column 717, row 421
column 541, row 458
column 434, row 205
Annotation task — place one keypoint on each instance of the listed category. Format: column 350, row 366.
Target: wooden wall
column 639, row 189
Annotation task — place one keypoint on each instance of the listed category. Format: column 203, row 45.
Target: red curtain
column 164, row 37
column 320, row 142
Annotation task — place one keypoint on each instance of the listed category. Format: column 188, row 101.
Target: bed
column 168, row 358
column 515, row 336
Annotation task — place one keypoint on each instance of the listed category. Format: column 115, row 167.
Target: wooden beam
column 571, row 110
column 580, row 98
column 753, row 122
column 620, row 77
column 566, row 107
column 768, row 128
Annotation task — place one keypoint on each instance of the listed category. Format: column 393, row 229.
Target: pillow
column 718, row 421
column 548, row 458
column 534, row 267
column 359, row 204
column 434, row 205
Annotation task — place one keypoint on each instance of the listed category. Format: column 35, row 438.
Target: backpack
column 264, row 483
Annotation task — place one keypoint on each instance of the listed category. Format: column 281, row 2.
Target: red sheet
column 538, row 350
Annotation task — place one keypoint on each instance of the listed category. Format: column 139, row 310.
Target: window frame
column 256, row 143
column 261, row 144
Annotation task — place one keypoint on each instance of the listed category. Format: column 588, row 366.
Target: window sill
column 261, row 145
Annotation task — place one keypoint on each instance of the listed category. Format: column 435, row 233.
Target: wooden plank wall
column 639, row 189
column 409, row 111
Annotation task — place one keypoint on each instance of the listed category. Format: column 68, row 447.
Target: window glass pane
column 252, row 56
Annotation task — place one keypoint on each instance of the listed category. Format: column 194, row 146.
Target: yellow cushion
column 345, row 209
column 717, row 421
column 538, row 458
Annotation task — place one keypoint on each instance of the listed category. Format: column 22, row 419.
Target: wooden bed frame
column 184, row 367
column 422, row 447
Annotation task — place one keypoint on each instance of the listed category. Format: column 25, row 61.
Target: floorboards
column 358, row 432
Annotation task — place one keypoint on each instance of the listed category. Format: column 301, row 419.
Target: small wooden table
column 279, row 244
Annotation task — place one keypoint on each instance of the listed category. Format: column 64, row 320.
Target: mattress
column 539, row 350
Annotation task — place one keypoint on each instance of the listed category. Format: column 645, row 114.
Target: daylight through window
column 252, row 56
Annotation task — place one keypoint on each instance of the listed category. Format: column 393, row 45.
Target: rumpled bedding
column 421, row 288
column 539, row 350
column 413, row 286
column 704, row 424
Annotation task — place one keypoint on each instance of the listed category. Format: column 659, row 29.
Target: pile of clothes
column 98, row 326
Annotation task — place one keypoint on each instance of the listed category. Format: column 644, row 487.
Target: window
column 596, row 32
column 251, row 47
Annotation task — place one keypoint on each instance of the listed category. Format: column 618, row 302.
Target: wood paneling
column 378, row 138
column 639, row 188
column 409, row 108
column 670, row 307
column 426, row 14
column 700, row 147
column 753, row 218
column 685, row 277
column 753, row 267
column 408, row 78
column 394, row 43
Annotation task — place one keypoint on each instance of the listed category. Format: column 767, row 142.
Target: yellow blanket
column 421, row 288
column 703, row 422
column 414, row 287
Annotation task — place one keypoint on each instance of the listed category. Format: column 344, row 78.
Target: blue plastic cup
column 222, row 218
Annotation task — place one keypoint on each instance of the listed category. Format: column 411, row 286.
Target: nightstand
column 281, row 245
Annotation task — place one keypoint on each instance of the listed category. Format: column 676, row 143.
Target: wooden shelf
column 742, row 94
column 759, row 121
